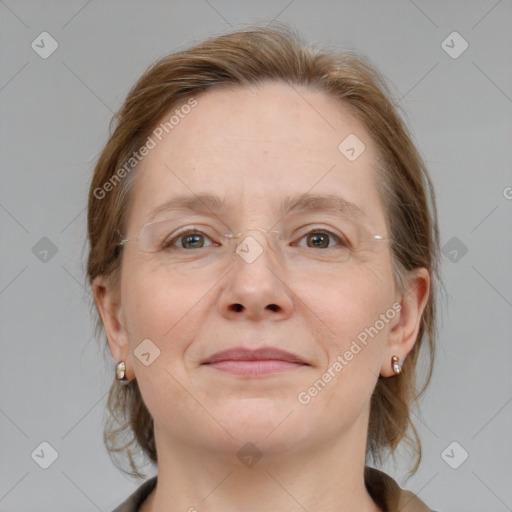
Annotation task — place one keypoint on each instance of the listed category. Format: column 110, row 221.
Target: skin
column 254, row 146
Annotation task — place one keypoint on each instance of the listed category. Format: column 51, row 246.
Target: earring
column 121, row 371
column 395, row 363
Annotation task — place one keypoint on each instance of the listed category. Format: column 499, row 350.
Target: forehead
column 256, row 146
column 276, row 114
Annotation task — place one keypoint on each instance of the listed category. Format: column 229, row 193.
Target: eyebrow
column 321, row 203
column 200, row 203
column 306, row 202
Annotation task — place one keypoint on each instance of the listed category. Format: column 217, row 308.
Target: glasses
column 203, row 244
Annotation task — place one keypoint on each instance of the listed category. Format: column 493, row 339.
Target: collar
column 382, row 488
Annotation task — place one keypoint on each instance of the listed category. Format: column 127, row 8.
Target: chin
column 260, row 420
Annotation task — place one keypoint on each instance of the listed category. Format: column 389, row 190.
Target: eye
column 191, row 239
column 321, row 238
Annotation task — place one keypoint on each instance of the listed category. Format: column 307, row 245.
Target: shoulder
column 133, row 502
column 388, row 494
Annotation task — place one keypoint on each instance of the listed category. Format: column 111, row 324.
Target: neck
column 324, row 477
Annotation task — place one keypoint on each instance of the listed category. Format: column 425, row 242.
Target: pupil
column 317, row 237
column 191, row 237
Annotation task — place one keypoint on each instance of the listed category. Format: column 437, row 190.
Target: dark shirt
column 382, row 488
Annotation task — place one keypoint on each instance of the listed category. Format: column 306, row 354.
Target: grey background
column 54, row 116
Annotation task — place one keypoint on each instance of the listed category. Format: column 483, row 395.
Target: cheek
column 160, row 307
column 169, row 309
column 359, row 314
column 356, row 316
column 157, row 301
column 348, row 302
column 148, row 310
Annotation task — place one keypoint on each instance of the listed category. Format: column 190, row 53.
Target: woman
column 263, row 256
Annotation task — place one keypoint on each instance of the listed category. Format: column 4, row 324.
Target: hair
column 245, row 58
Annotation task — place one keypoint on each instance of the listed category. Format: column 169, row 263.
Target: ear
column 402, row 336
column 109, row 306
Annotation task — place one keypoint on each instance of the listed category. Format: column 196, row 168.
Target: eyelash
column 170, row 244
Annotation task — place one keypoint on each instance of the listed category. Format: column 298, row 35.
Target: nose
column 257, row 287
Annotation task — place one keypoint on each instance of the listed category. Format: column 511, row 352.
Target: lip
column 253, row 363
column 260, row 354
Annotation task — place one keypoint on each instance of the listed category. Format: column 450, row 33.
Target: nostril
column 240, row 307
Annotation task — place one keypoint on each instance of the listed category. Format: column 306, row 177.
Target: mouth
column 254, row 363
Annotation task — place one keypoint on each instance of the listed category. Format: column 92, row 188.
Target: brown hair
column 244, row 58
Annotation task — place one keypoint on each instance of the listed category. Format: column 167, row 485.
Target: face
column 337, row 314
